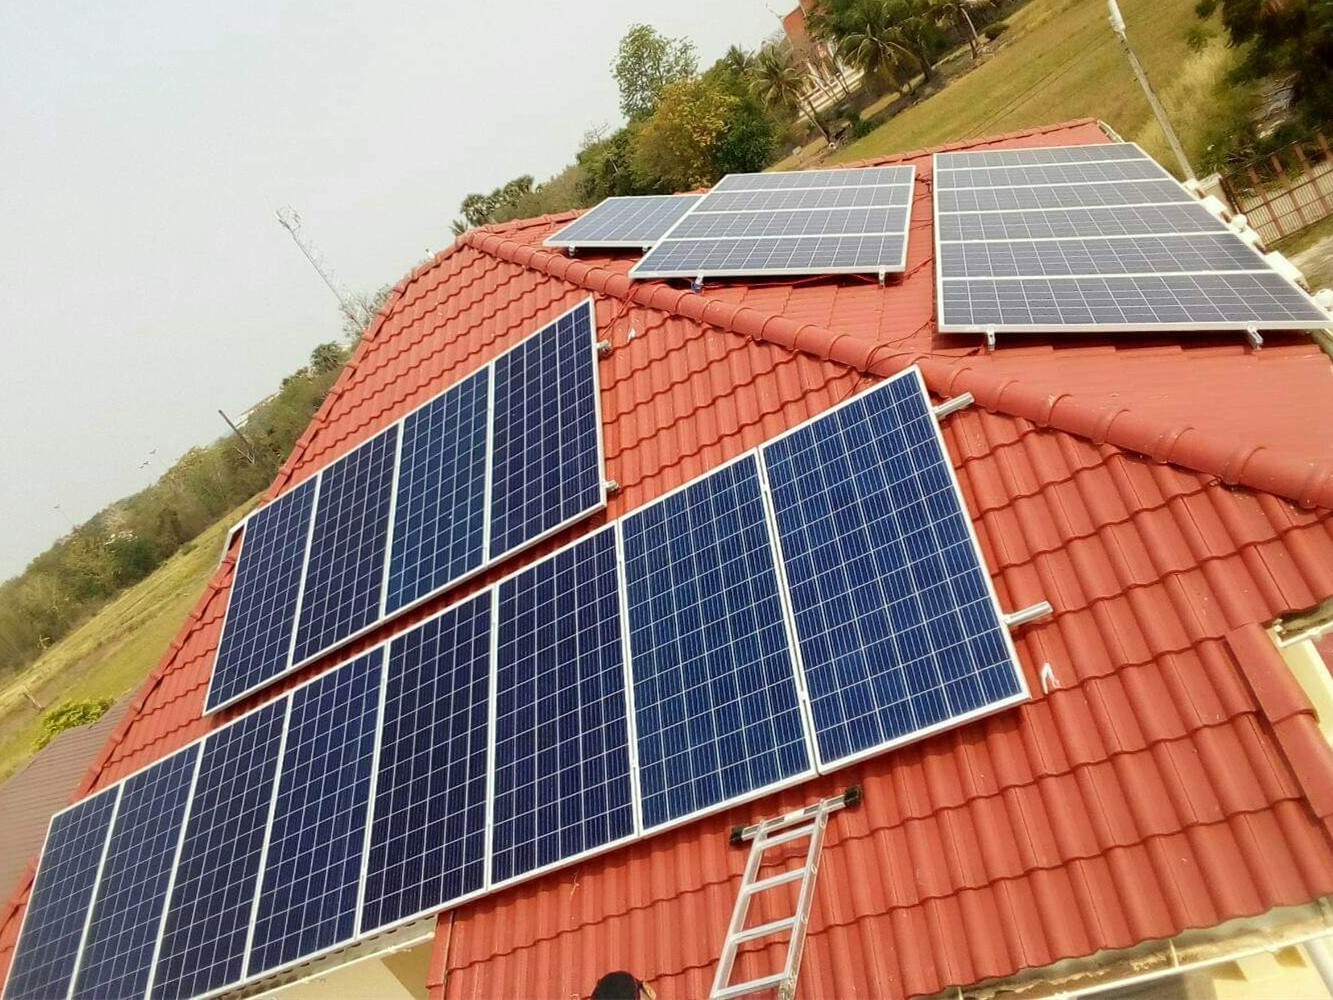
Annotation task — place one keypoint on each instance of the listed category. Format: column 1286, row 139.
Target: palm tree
column 879, row 45
column 739, row 61
column 779, row 83
column 955, row 13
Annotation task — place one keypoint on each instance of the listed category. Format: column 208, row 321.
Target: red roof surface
column 1166, row 495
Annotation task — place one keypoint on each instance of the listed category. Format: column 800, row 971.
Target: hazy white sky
column 144, row 145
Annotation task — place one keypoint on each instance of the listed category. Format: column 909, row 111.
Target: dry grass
column 111, row 653
column 1058, row 61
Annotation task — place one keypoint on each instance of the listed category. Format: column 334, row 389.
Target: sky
column 145, row 145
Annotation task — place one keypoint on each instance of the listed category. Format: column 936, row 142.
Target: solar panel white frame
column 953, row 722
column 492, row 732
column 903, row 176
column 488, row 562
column 568, row 235
column 1095, row 153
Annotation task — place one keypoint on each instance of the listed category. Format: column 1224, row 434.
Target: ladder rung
column 795, row 833
column 764, row 930
column 753, row 986
column 775, row 880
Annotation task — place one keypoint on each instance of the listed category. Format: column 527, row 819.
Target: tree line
column 124, row 542
column 685, row 128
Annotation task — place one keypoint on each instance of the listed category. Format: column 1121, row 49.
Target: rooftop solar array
column 1096, row 237
column 491, row 466
column 816, row 600
column 632, row 222
column 805, row 222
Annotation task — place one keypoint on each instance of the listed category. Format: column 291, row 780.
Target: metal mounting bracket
column 1252, row 335
column 611, row 486
column 883, row 274
column 953, row 405
column 1017, row 619
column 990, row 338
column 571, row 251
column 697, row 285
column 604, row 348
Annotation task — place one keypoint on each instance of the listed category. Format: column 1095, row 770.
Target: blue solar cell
column 546, row 460
column 440, row 511
column 257, row 632
column 344, row 576
column 898, row 631
column 562, row 771
column 57, row 911
column 428, row 834
column 308, row 894
column 212, row 898
column 118, row 950
column 714, row 683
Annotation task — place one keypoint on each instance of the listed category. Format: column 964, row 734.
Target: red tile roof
column 1166, row 495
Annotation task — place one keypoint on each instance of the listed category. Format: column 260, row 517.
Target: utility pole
column 248, row 449
column 1118, row 25
column 353, row 310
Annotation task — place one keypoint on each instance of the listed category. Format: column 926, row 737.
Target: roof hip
column 1234, row 463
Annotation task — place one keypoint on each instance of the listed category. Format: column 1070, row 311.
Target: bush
column 70, row 715
column 994, row 31
column 861, row 128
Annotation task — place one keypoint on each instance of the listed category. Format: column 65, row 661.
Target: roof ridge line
column 1241, row 464
column 947, row 147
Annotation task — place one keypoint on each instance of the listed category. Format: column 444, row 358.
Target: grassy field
column 111, row 653
column 1060, row 60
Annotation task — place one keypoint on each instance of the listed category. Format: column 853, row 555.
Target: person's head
column 622, row 986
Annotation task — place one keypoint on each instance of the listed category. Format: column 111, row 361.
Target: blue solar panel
column 714, row 683
column 899, row 633
column 428, row 835
column 562, row 770
column 344, row 576
column 212, row 898
column 57, row 911
column 440, row 511
column 257, row 633
column 118, row 950
column 546, row 459
column 308, row 894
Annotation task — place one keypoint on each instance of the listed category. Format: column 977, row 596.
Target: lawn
column 111, row 653
column 1060, row 60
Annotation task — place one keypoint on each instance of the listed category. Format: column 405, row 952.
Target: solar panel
column 714, row 694
column 562, row 760
column 257, row 629
column 57, row 910
column 809, row 222
column 344, row 575
column 439, row 516
column 636, row 221
column 898, row 626
column 1049, row 154
column 546, row 460
column 213, row 893
column 123, row 930
column 1094, row 238
column 428, row 832
column 312, row 867
column 1124, row 220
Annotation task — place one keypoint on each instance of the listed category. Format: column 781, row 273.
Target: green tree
column 646, row 62
column 957, row 14
column 69, row 715
column 608, row 167
column 781, row 84
column 677, row 146
column 875, row 44
column 1286, row 38
column 484, row 209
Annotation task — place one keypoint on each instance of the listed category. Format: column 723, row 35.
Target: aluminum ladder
column 802, row 824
